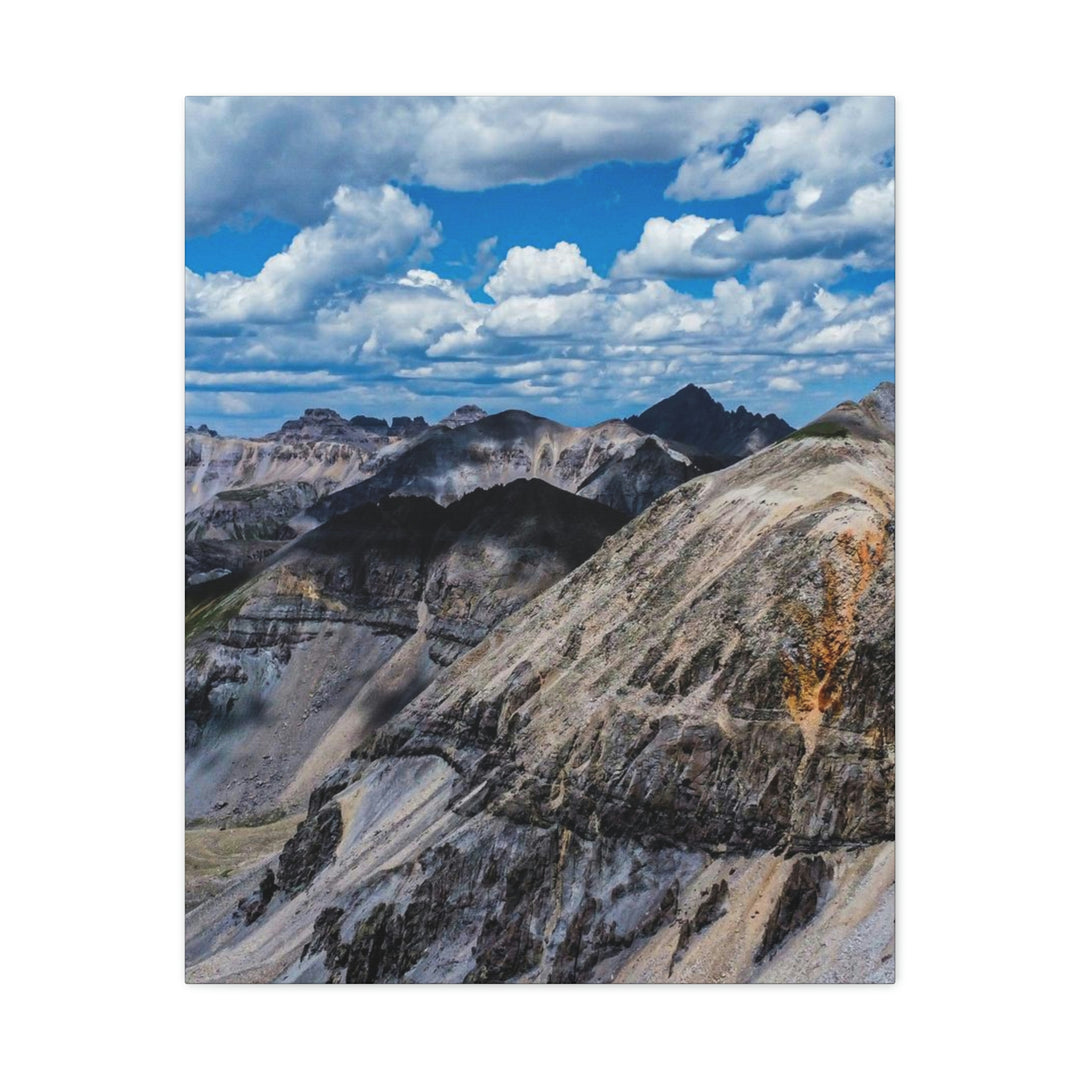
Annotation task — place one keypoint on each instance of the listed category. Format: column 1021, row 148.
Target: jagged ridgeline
column 503, row 700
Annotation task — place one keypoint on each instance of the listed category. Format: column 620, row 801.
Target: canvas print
column 539, row 540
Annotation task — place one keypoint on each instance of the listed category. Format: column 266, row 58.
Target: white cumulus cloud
column 667, row 249
column 797, row 244
column 529, row 271
column 829, row 154
column 785, row 384
column 366, row 232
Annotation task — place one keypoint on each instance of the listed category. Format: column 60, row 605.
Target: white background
column 92, row 250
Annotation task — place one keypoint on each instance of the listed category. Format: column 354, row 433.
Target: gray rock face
column 404, row 427
column 881, row 404
column 214, row 464
column 466, row 414
column 874, row 417
column 250, row 513
column 677, row 762
column 797, row 903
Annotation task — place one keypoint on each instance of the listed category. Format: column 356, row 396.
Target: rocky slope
column 675, row 764
column 691, row 416
column 287, row 668
column 445, row 464
column 259, row 512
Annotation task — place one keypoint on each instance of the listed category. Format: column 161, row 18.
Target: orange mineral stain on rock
column 814, row 688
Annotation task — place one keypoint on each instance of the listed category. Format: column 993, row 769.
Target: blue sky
column 602, row 208
column 579, row 258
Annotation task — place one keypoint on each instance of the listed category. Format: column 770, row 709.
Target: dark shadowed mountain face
column 244, row 494
column 480, row 556
column 691, row 416
column 630, row 484
column 290, row 664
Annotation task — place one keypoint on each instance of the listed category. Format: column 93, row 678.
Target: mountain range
column 245, row 497
column 499, row 699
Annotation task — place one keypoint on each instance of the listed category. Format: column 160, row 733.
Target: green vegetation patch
column 823, row 429
column 208, row 609
column 212, row 855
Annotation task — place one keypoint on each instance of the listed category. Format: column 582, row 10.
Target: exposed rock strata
column 213, row 464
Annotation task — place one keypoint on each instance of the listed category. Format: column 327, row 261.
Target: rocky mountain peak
column 370, row 423
column 873, row 417
column 465, row 414
column 881, row 404
column 404, row 427
column 691, row 416
column 691, row 393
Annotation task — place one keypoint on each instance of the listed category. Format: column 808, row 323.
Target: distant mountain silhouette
column 691, row 416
